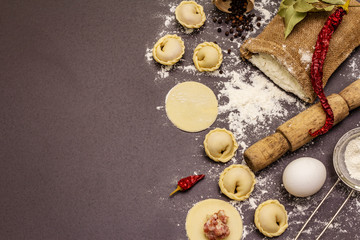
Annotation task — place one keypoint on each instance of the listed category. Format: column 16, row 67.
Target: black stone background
column 85, row 154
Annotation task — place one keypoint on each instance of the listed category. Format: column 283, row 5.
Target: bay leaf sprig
column 294, row 11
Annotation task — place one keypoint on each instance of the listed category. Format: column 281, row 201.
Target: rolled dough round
column 191, row 106
column 198, row 214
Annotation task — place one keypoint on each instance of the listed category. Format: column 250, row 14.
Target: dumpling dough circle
column 191, row 106
column 271, row 218
column 168, row 50
column 220, row 145
column 237, row 182
column 207, row 57
column 190, row 14
column 198, row 214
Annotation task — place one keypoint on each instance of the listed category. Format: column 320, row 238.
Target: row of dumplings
column 169, row 49
column 237, row 182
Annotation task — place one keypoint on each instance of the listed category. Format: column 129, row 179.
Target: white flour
column 253, row 103
column 352, row 158
column 355, row 69
column 305, row 58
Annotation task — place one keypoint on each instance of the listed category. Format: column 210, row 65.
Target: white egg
column 304, row 176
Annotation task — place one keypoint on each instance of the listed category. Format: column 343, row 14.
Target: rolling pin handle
column 266, row 151
column 294, row 133
column 351, row 94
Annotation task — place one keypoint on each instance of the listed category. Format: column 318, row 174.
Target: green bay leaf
column 320, row 6
column 288, row 2
column 282, row 12
column 329, row 8
column 294, row 11
column 284, row 5
column 303, row 6
column 292, row 17
column 334, row 2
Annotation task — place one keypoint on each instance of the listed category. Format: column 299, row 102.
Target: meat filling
column 215, row 227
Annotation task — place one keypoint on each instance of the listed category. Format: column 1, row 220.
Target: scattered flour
column 148, row 55
column 169, row 20
column 252, row 102
column 358, row 204
column 305, row 58
column 262, row 6
column 355, row 69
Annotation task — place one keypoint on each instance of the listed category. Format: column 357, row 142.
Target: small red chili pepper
column 318, row 58
column 188, row 182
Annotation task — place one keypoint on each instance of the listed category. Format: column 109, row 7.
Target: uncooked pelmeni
column 191, row 106
column 237, row 182
column 199, row 213
column 207, row 57
column 220, row 145
column 190, row 14
column 271, row 218
column 168, row 50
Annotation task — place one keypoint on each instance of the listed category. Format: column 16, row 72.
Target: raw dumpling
column 190, row 14
column 220, row 145
column 237, row 182
column 207, row 57
column 168, row 50
column 271, row 218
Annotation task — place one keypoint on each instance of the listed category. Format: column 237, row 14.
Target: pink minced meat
column 215, row 227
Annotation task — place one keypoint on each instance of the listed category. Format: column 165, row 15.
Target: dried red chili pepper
column 318, row 58
column 188, row 182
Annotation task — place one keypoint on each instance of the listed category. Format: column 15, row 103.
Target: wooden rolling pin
column 295, row 132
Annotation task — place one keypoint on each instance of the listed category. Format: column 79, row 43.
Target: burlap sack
column 290, row 52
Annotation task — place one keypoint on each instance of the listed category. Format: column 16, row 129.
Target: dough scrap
column 220, row 145
column 271, row 218
column 207, row 57
column 190, row 14
column 191, row 106
column 198, row 214
column 237, row 182
column 168, row 50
